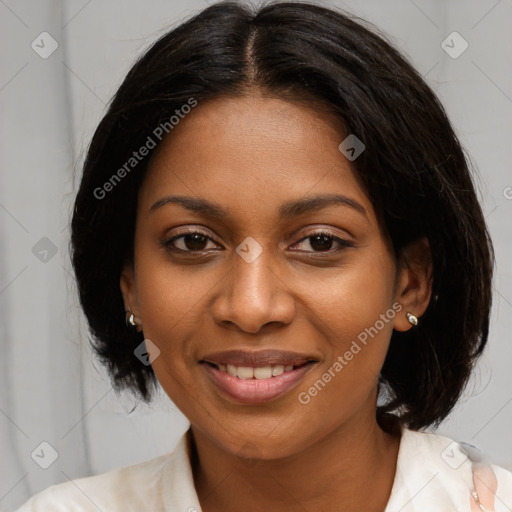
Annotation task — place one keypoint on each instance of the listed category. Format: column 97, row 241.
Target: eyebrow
column 287, row 210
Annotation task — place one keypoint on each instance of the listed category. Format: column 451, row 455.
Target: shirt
column 433, row 473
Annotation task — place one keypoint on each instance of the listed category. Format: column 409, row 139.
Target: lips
column 256, row 359
column 256, row 376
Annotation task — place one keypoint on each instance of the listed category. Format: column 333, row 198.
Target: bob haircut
column 413, row 169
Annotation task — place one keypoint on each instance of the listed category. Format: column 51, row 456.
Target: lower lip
column 254, row 391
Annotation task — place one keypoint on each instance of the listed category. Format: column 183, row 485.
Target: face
column 278, row 264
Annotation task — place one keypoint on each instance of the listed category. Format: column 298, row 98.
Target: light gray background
column 51, row 388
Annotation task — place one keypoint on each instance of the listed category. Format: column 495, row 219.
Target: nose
column 253, row 295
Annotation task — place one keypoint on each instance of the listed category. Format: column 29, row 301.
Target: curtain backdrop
column 60, row 63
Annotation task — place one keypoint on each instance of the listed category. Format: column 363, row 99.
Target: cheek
column 169, row 294
column 355, row 314
column 168, row 304
column 165, row 292
column 353, row 296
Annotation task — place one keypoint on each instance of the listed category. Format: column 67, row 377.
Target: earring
column 413, row 320
column 130, row 319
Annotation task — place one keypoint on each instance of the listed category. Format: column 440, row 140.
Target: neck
column 335, row 472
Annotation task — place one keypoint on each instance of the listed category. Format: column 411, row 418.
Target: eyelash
column 342, row 242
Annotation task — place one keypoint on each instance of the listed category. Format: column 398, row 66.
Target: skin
column 250, row 154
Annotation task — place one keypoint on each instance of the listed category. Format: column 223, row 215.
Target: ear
column 414, row 282
column 127, row 284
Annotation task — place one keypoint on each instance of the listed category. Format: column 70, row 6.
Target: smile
column 249, row 372
column 251, row 385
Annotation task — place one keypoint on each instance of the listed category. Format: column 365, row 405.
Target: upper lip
column 257, row 358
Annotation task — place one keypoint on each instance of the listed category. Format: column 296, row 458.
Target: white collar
column 433, row 472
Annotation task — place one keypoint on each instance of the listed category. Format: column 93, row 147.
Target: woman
column 277, row 224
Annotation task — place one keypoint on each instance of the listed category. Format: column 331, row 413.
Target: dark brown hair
column 413, row 170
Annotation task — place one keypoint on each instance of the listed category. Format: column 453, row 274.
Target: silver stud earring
column 130, row 319
column 413, row 320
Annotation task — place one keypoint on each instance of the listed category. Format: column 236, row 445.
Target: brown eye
column 193, row 241
column 323, row 242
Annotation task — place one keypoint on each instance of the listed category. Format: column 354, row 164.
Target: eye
column 190, row 241
column 196, row 241
column 322, row 241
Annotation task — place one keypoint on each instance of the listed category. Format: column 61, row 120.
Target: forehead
column 254, row 153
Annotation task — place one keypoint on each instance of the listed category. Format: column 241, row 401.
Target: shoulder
column 436, row 472
column 164, row 483
column 113, row 490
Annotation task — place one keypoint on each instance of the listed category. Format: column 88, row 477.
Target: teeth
column 247, row 372
column 263, row 373
column 277, row 370
column 244, row 372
